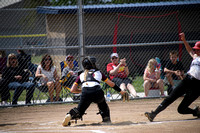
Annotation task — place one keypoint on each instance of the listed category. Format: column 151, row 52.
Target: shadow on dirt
column 124, row 123
column 2, row 125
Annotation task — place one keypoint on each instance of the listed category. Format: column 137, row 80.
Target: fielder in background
column 91, row 92
column 188, row 86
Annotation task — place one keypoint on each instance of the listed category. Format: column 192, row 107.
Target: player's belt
column 191, row 77
column 89, row 89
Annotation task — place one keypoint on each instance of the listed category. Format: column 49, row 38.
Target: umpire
column 91, row 92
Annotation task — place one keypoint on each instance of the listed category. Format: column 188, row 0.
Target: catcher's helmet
column 89, row 62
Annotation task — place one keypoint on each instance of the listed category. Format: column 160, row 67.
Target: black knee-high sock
column 159, row 109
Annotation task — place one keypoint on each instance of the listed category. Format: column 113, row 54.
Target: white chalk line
column 160, row 122
column 93, row 131
column 53, row 131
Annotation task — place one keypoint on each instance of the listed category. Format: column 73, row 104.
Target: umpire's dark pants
column 96, row 95
column 188, row 86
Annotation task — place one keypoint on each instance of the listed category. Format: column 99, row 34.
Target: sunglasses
column 13, row 58
column 48, row 59
column 114, row 58
column 69, row 60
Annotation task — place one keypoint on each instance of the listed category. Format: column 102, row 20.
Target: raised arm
column 115, row 70
column 187, row 46
column 38, row 73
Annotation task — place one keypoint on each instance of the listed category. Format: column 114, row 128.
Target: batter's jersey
column 195, row 68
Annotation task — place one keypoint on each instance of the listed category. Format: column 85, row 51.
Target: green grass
column 35, row 95
column 36, row 59
column 137, row 83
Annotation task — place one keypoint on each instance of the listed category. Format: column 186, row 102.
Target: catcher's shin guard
column 105, row 114
column 73, row 114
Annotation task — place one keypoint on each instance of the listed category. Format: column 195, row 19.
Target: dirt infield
column 126, row 117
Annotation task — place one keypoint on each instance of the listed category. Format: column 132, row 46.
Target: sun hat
column 197, row 45
column 114, row 54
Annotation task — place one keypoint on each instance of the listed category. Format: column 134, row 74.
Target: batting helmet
column 197, row 45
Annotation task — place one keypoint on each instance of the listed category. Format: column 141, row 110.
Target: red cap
column 69, row 57
column 197, row 45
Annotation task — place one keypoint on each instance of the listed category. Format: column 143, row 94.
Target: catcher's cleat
column 150, row 116
column 197, row 109
column 106, row 120
column 66, row 121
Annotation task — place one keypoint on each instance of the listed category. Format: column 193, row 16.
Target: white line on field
column 97, row 131
column 160, row 122
column 53, row 131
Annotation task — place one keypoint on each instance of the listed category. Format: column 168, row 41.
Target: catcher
column 91, row 92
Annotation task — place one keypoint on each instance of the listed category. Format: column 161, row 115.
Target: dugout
column 140, row 23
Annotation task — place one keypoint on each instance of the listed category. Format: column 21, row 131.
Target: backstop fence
column 137, row 32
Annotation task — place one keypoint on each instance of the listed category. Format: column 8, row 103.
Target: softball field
column 127, row 117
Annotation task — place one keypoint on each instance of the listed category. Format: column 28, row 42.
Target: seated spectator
column 174, row 70
column 25, row 62
column 152, row 78
column 70, row 72
column 4, row 91
column 17, row 79
column 47, row 73
column 23, row 59
column 118, row 72
column 2, row 60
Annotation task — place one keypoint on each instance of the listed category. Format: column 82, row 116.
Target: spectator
column 23, row 59
column 47, row 73
column 25, row 62
column 174, row 70
column 17, row 79
column 2, row 60
column 70, row 72
column 152, row 77
column 4, row 91
column 118, row 72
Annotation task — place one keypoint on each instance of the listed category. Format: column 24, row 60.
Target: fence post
column 80, row 30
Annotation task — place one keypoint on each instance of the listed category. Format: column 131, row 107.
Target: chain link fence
column 136, row 31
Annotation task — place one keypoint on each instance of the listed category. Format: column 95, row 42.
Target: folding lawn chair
column 66, row 92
